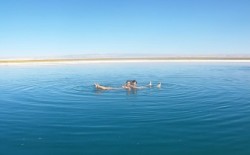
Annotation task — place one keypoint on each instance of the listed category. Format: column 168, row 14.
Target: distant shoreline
column 138, row 59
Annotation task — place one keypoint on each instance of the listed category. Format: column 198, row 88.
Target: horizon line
column 130, row 59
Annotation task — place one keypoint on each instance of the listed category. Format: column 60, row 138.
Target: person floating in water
column 130, row 84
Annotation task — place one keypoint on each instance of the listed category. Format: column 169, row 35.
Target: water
column 201, row 108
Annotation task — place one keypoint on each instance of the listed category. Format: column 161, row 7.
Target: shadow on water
column 132, row 92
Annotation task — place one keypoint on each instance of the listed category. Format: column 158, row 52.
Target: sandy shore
column 122, row 60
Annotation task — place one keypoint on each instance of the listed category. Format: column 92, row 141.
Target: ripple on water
column 198, row 107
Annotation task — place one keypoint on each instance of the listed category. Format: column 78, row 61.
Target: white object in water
column 159, row 85
column 150, row 84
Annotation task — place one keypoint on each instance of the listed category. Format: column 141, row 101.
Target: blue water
column 202, row 108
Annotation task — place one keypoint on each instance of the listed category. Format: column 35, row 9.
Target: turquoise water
column 201, row 108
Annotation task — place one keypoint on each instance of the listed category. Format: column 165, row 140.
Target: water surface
column 202, row 108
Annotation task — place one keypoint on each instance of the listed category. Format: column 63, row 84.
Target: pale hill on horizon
column 120, row 56
column 127, row 59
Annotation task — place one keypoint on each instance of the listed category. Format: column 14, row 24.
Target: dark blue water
column 55, row 110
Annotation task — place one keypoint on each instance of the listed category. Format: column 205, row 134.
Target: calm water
column 55, row 110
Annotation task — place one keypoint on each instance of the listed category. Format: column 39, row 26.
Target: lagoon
column 201, row 108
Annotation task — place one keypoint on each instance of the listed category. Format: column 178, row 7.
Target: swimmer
column 133, row 84
column 127, row 85
column 130, row 84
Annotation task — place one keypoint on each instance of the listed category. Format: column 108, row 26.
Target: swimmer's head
column 131, row 81
column 134, row 82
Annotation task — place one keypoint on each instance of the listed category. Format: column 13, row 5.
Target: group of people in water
column 130, row 84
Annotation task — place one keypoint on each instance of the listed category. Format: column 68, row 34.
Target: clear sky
column 124, row 27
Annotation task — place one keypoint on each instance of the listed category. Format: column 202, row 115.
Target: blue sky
column 124, row 27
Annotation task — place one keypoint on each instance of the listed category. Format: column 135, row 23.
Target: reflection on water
column 55, row 109
column 126, row 91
